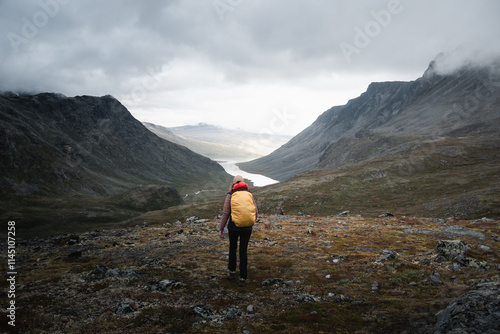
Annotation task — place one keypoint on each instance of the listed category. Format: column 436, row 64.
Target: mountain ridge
column 87, row 158
column 431, row 106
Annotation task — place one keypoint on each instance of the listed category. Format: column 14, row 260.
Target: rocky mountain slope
column 393, row 118
column 54, row 146
column 335, row 274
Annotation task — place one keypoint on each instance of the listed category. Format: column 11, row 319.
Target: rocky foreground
column 337, row 274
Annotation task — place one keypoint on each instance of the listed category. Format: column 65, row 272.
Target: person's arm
column 226, row 211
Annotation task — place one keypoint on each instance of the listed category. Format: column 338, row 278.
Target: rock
column 454, row 267
column 99, row 271
column 272, row 281
column 434, row 278
column 74, row 256
column 472, row 263
column 192, row 219
column 127, row 306
column 344, row 213
column 387, row 255
column 250, row 308
column 289, row 283
column 425, row 262
column 451, row 249
column 375, row 286
column 484, row 248
column 477, row 311
column 166, row 283
column 232, row 312
column 203, row 311
column 434, row 220
column 73, row 239
column 305, row 298
column 463, row 231
column 386, row 214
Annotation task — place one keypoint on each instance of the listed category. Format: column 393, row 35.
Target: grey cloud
column 115, row 41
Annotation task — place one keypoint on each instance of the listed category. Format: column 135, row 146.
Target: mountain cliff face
column 52, row 145
column 392, row 117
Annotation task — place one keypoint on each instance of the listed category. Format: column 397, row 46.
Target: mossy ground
column 333, row 261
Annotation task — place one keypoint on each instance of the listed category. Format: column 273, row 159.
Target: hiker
column 240, row 212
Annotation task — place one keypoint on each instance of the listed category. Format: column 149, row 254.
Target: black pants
column 233, row 245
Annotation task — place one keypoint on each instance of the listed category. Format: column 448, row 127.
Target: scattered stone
column 272, row 281
column 250, row 308
column 477, row 311
column 375, row 286
column 289, row 283
column 387, row 255
column 232, row 312
column 328, row 276
column 485, row 248
column 192, row 219
column 452, row 249
column 310, row 230
column 434, row 220
column 166, row 283
column 454, row 267
column 386, row 214
column 127, row 306
column 375, row 228
column 73, row 239
column 418, row 230
column 101, row 271
column 203, row 311
column 472, row 263
column 425, row 262
column 434, row 278
column 306, row 298
column 344, row 213
column 463, row 231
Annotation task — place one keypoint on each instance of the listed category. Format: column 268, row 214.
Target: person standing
column 240, row 213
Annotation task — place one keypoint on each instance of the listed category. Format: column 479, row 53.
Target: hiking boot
column 241, row 282
column 231, row 276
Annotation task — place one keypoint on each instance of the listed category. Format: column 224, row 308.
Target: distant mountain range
column 219, row 143
column 392, row 117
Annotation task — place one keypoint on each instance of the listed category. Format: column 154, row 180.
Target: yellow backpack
column 243, row 212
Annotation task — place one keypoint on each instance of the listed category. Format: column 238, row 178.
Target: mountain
column 220, row 143
column 213, row 148
column 392, row 118
column 91, row 148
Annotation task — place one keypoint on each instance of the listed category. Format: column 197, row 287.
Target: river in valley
column 257, row 179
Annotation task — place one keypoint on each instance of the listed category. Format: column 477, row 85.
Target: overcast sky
column 259, row 65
